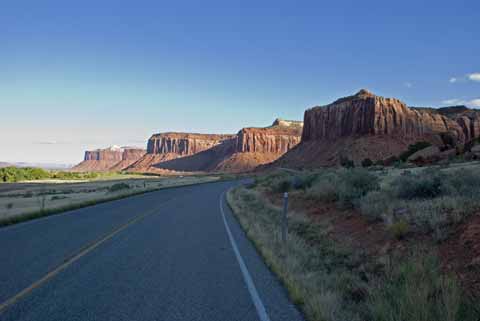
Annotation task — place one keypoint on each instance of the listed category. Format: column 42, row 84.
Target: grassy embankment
column 330, row 276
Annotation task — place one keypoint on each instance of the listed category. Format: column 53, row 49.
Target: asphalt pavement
column 174, row 254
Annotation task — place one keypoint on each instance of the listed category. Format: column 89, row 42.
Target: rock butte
column 357, row 127
column 244, row 151
column 109, row 159
column 368, row 126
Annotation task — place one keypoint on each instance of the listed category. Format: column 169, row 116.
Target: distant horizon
column 88, row 75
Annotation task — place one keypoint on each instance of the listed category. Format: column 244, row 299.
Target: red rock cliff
column 183, row 143
column 113, row 154
column 277, row 139
column 109, row 159
column 232, row 153
column 368, row 126
column 367, row 114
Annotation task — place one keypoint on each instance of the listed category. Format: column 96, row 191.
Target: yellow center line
column 69, row 261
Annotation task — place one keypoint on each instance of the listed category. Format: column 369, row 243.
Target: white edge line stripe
column 262, row 313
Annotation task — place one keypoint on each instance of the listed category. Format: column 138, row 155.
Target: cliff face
column 113, row 154
column 244, row 151
column 276, row 139
column 368, row 126
column 114, row 158
column 183, row 144
column 165, row 147
column 367, row 114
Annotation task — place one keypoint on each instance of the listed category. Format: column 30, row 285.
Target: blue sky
column 86, row 74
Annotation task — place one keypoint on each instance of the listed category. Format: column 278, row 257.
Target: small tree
column 346, row 162
column 367, row 162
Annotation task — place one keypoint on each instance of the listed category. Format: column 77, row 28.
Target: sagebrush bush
column 375, row 205
column 354, row 184
column 324, row 188
column 284, row 185
column 367, row 162
column 304, row 181
column 344, row 187
column 426, row 184
column 273, row 181
column 118, row 187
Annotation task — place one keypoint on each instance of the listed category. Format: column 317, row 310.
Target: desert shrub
column 430, row 214
column 367, row 162
column 324, row 188
column 375, row 205
column 426, row 184
column 58, row 197
column 283, row 185
column 272, row 180
column 345, row 186
column 285, row 181
column 324, row 192
column 346, row 162
column 399, row 229
column 118, row 187
column 390, row 161
column 304, row 181
column 354, row 184
column 412, row 149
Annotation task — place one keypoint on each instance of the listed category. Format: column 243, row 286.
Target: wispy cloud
column 453, row 101
column 408, row 84
column 474, row 76
column 49, row 142
column 474, row 103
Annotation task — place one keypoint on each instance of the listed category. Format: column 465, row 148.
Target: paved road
column 176, row 254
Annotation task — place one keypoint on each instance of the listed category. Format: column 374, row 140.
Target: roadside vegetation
column 17, row 174
column 331, row 278
column 427, row 200
column 28, row 201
